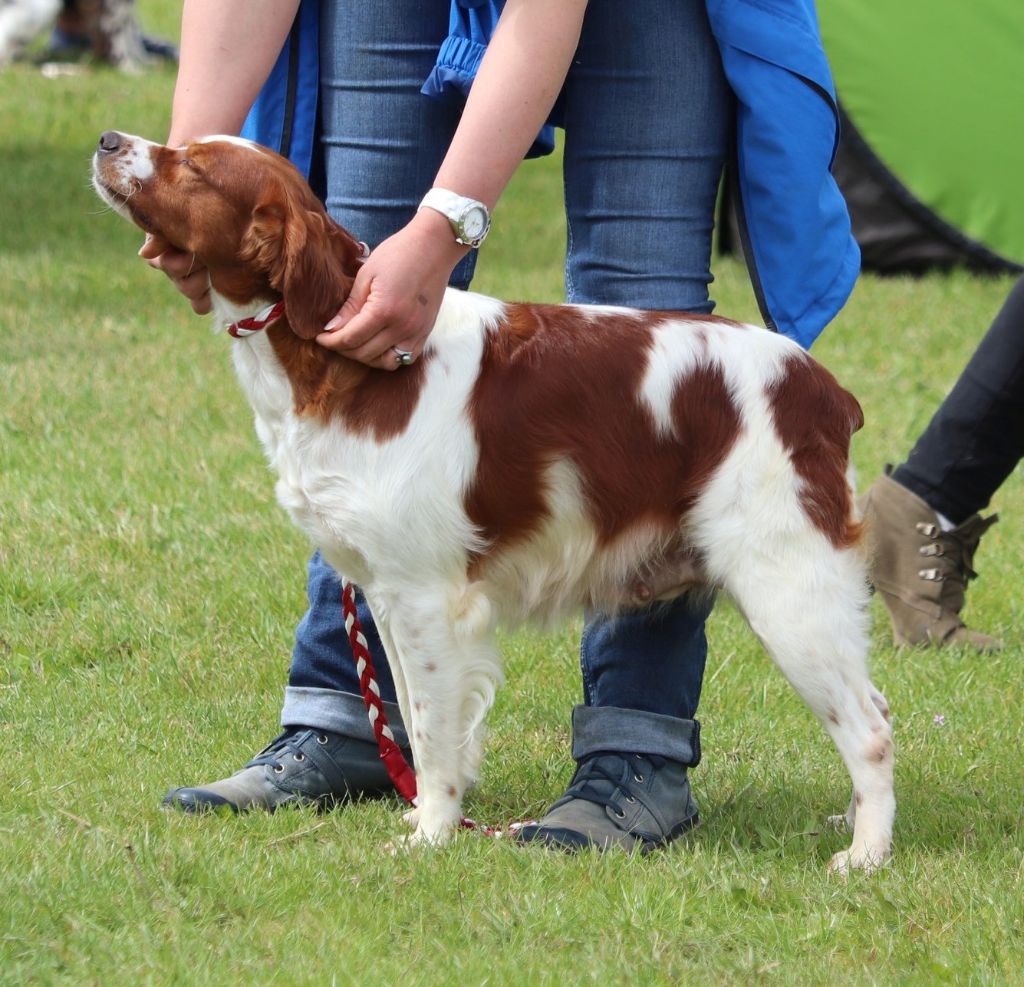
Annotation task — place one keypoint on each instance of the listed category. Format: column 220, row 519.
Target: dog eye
column 187, row 162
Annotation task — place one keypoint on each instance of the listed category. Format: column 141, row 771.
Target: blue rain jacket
column 800, row 251
column 284, row 115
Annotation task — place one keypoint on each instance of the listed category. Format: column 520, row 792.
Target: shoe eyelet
column 299, row 757
column 631, row 800
column 278, row 768
column 322, row 739
column 639, row 779
column 619, row 815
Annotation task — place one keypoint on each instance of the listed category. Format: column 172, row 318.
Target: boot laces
column 289, row 742
column 603, row 777
column 954, row 550
column 953, row 554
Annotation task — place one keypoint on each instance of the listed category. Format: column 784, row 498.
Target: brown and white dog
column 536, row 459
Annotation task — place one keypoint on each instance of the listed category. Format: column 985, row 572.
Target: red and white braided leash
column 397, row 767
column 390, row 753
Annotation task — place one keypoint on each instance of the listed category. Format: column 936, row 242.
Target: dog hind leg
column 806, row 601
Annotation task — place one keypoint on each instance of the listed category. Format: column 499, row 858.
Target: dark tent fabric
column 932, row 155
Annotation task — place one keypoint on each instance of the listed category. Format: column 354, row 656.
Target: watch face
column 474, row 222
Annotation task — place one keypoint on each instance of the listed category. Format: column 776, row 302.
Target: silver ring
column 404, row 357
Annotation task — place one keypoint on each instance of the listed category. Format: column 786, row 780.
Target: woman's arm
column 517, row 84
column 228, row 48
column 395, row 299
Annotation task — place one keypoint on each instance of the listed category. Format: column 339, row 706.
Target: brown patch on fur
column 452, row 792
column 880, row 751
column 857, row 799
column 326, row 385
column 815, row 418
column 559, row 384
column 833, row 718
column 385, row 401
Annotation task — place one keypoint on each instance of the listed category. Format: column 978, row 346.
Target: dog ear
column 306, row 257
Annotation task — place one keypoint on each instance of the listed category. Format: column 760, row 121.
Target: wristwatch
column 469, row 219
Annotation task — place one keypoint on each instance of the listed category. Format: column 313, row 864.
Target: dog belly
column 548, row 579
column 665, row 578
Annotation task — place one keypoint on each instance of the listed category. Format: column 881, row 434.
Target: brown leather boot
column 920, row 571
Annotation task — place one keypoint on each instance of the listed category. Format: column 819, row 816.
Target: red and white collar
column 254, row 323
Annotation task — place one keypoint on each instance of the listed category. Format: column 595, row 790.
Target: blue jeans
column 646, row 113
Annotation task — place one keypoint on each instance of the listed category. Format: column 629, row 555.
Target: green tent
column 932, row 156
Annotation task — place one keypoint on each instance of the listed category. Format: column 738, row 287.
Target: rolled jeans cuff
column 608, row 728
column 337, row 712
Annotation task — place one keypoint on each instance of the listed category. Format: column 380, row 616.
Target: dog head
column 246, row 213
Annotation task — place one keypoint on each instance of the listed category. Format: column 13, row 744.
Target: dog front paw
column 845, row 861
column 423, row 837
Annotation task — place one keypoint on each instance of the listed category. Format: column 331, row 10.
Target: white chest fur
column 357, row 496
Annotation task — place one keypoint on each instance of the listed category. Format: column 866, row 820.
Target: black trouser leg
column 976, row 436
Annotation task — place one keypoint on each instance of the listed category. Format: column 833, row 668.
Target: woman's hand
column 396, row 295
column 188, row 275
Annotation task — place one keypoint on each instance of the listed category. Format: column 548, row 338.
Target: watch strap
column 454, row 207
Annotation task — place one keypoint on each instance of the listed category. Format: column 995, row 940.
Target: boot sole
column 573, row 841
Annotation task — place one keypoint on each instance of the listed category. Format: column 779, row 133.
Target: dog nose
column 110, row 141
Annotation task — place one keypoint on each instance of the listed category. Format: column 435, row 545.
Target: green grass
column 149, row 589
